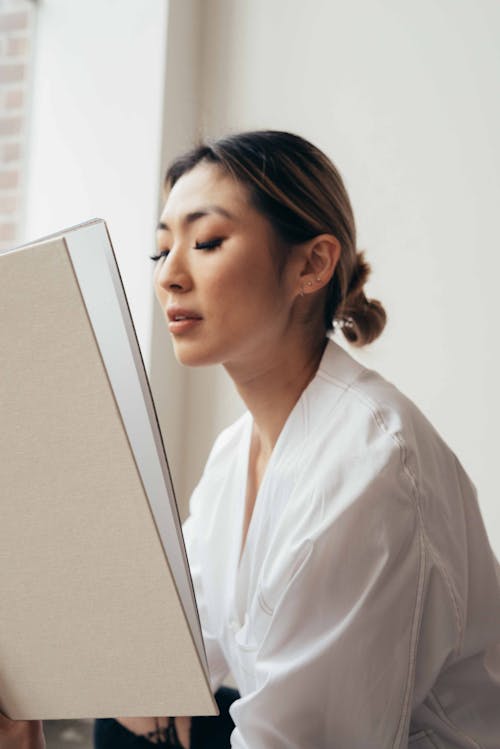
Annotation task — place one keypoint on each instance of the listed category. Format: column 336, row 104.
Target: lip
column 190, row 319
column 174, row 312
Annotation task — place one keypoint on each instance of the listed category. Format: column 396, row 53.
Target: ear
column 319, row 258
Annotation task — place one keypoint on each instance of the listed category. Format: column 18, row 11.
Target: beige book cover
column 97, row 612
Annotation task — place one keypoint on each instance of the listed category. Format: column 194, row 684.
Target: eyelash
column 211, row 245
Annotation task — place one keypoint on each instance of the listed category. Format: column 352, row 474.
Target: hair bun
column 361, row 320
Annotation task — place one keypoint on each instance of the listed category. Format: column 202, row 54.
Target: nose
column 174, row 274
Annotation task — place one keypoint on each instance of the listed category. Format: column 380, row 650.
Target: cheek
column 244, row 285
column 242, row 299
column 229, row 284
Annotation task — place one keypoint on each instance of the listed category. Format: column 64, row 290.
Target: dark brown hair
column 300, row 191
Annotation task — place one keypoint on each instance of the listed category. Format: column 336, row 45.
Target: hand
column 21, row 734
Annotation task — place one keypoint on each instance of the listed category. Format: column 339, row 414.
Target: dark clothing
column 207, row 732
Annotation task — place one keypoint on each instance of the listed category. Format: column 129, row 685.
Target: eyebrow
column 189, row 218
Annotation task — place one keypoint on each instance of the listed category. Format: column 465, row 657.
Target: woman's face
column 217, row 282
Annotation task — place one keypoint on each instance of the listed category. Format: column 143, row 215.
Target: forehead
column 205, row 184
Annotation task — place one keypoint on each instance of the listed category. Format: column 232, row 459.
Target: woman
column 341, row 567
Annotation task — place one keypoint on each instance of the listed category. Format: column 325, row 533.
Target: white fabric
column 365, row 613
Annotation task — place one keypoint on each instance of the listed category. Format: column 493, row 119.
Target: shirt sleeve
column 336, row 664
column 217, row 665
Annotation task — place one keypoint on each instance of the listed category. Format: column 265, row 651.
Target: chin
column 191, row 355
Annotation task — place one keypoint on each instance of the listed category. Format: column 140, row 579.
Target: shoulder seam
column 397, row 438
column 374, row 409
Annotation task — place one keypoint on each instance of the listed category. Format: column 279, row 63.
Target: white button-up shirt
column 365, row 611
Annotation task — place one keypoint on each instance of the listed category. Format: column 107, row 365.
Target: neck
column 271, row 385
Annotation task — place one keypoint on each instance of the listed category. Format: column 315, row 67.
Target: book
column 98, row 615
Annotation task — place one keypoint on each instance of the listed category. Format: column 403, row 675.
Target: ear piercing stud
column 309, row 283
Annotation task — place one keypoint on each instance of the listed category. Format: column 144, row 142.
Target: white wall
column 96, row 129
column 403, row 97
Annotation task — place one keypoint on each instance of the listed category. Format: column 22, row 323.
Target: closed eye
column 211, row 245
column 161, row 254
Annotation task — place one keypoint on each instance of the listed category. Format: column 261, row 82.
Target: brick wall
column 16, row 46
